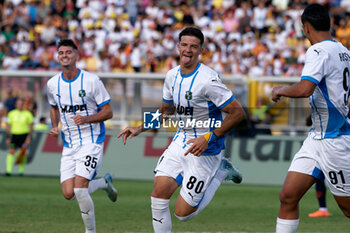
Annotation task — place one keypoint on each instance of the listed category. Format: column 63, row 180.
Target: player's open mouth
column 186, row 58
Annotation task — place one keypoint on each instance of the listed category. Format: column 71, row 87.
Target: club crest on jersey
column 188, row 95
column 82, row 93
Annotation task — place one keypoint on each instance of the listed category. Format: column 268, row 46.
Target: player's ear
column 78, row 55
column 307, row 28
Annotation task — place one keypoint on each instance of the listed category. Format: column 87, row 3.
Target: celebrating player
column 194, row 158
column 80, row 101
column 325, row 153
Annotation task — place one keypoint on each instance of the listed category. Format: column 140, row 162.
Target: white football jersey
column 327, row 64
column 83, row 95
column 198, row 98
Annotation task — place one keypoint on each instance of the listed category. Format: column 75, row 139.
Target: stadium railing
column 131, row 91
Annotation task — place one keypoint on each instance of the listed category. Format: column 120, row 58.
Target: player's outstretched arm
column 302, row 89
column 130, row 132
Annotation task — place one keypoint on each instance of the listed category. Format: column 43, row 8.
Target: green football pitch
column 35, row 204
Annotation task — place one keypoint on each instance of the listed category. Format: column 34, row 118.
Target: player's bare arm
column 302, row 89
column 105, row 114
column 166, row 109
column 235, row 114
column 54, row 116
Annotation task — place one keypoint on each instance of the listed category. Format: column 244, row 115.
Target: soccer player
column 18, row 136
column 80, row 101
column 325, row 153
column 194, row 158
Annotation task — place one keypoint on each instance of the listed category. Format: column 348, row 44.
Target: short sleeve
column 315, row 64
column 167, row 89
column 50, row 98
column 100, row 93
column 217, row 92
column 30, row 117
column 9, row 117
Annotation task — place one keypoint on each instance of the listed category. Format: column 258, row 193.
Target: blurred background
column 131, row 44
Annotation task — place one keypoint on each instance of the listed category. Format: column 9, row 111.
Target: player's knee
column 69, row 195
column 184, row 214
column 346, row 212
column 184, row 218
column 286, row 198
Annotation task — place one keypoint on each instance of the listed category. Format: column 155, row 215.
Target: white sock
column 161, row 218
column 287, row 225
column 86, row 208
column 220, row 175
column 97, row 184
column 324, row 209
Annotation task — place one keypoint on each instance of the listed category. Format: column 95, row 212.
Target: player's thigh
column 164, row 187
column 81, row 182
column 295, row 186
column 344, row 204
column 182, row 208
column 88, row 160
column 198, row 173
column 303, row 172
column 168, row 172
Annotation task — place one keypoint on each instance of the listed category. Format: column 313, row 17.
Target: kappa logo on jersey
column 151, row 120
column 188, row 95
column 82, row 93
column 75, row 108
column 181, row 110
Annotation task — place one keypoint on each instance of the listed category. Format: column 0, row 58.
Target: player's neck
column 188, row 70
column 321, row 36
column 70, row 73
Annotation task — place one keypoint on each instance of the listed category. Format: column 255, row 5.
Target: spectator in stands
column 10, row 101
column 11, row 60
column 135, row 57
column 114, row 23
column 48, row 32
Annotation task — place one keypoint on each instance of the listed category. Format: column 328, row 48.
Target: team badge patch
column 188, row 95
column 82, row 93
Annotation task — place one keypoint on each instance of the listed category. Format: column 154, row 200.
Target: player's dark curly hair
column 318, row 16
column 192, row 31
column 67, row 42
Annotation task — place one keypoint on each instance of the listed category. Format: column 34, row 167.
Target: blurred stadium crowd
column 242, row 37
